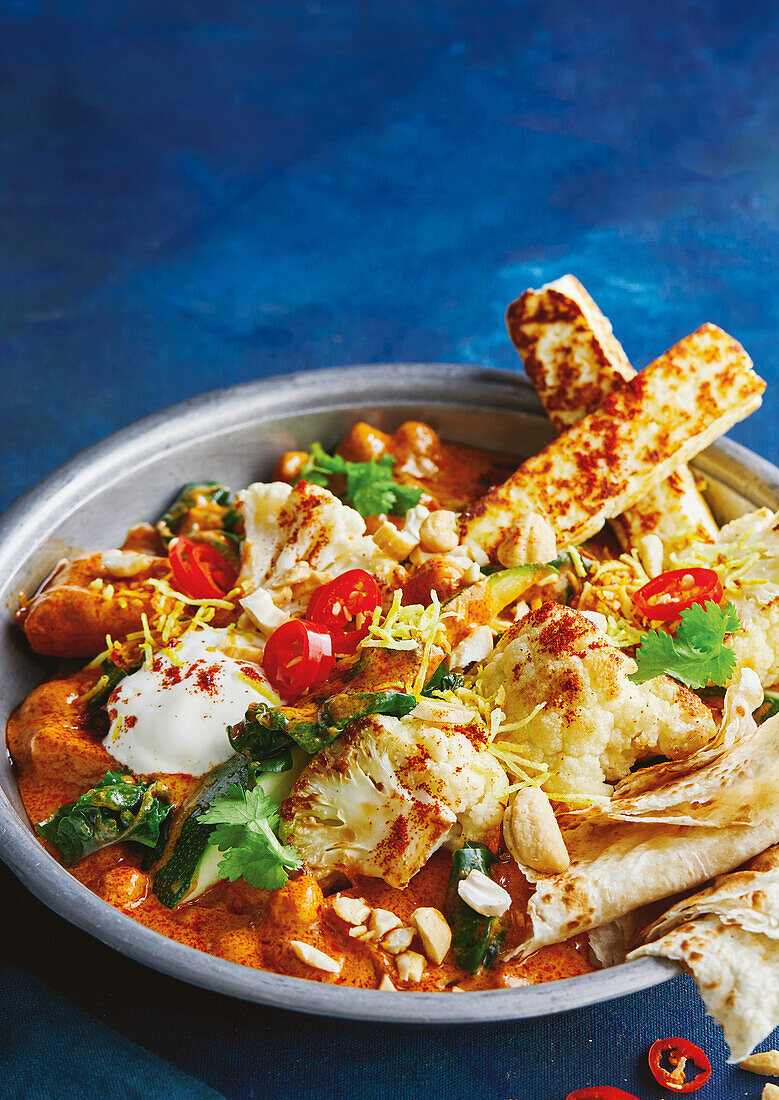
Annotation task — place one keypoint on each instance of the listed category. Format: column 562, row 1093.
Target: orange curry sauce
column 56, row 748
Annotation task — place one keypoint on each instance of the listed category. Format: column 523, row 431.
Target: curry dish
column 409, row 718
column 56, row 740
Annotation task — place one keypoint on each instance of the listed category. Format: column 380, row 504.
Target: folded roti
column 727, row 937
column 688, row 821
column 731, row 782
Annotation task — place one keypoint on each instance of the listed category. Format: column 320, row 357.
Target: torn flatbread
column 729, row 783
column 727, row 937
column 621, row 860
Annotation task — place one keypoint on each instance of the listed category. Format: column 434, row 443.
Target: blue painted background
column 194, row 194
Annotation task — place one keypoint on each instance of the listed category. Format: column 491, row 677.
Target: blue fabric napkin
column 52, row 1050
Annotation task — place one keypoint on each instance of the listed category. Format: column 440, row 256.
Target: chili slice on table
column 298, row 657
column 200, row 571
column 337, row 604
column 672, row 1060
column 666, row 596
column 600, row 1092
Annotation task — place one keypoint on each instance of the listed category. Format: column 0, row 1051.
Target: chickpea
column 531, row 540
column 363, row 443
column 289, row 465
column 416, row 437
column 436, row 575
column 297, row 903
column 123, row 887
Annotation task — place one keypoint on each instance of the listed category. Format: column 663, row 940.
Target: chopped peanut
column 434, row 932
column 395, row 543
column 411, row 966
column 312, row 956
column 352, row 910
column 382, row 921
column 438, row 532
column 484, row 895
column 766, row 1062
column 398, row 940
column 387, row 985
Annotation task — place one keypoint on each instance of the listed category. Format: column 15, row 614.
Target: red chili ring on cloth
column 678, row 1053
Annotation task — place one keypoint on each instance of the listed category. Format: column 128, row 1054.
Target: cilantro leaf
column 258, row 864
column 698, row 655
column 370, row 488
column 240, row 807
column 244, row 831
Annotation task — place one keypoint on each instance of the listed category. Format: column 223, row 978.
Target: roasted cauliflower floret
column 594, row 723
column 385, row 796
column 745, row 555
column 302, row 536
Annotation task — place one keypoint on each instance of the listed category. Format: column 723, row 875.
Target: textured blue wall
column 194, row 194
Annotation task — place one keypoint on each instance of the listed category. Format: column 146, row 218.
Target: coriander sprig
column 370, row 488
column 697, row 655
column 245, row 824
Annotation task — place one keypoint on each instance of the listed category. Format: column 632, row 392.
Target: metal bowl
column 236, row 435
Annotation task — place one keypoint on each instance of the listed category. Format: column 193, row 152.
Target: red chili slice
column 200, row 571
column 666, row 596
column 679, row 1065
column 600, row 1092
column 337, row 604
column 298, row 657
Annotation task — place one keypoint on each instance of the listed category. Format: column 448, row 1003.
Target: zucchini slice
column 190, row 864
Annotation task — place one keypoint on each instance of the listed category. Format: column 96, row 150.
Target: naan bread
column 617, row 867
column 729, row 783
column 727, row 937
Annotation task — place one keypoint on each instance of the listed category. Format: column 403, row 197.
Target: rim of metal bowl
column 25, row 526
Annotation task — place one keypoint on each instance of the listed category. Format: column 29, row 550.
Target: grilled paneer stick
column 634, row 440
column 574, row 361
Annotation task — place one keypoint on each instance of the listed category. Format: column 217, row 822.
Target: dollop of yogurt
column 173, row 717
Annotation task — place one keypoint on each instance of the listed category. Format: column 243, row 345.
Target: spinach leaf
column 205, row 495
column 267, row 731
column 114, row 675
column 118, row 808
column 443, row 680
